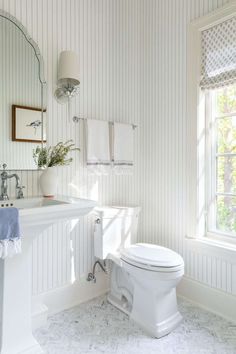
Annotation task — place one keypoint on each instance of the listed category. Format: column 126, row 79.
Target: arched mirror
column 22, row 96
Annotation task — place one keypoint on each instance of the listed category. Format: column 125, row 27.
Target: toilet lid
column 154, row 255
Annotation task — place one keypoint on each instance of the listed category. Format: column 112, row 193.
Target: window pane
column 226, row 174
column 226, row 100
column 226, row 135
column 226, row 214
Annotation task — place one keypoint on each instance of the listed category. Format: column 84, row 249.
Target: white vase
column 48, row 182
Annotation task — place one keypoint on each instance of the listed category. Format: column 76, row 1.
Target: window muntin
column 222, row 162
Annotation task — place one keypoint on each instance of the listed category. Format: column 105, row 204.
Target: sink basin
column 40, row 212
column 36, row 214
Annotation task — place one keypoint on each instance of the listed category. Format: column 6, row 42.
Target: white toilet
column 143, row 276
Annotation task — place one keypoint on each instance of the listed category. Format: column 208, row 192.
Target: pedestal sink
column 36, row 214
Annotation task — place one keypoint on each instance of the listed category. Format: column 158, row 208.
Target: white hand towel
column 98, row 146
column 123, row 153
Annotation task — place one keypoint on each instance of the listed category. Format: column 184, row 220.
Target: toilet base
column 159, row 330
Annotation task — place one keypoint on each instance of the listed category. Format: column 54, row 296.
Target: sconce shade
column 68, row 70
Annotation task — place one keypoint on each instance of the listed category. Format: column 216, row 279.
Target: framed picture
column 27, row 124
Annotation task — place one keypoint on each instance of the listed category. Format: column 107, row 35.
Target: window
column 221, row 160
column 211, row 125
column 218, row 82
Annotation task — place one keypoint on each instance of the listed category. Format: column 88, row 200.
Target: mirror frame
column 39, row 58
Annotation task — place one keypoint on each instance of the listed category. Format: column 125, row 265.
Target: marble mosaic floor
column 97, row 327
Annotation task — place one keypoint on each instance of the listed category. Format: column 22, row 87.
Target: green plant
column 54, row 155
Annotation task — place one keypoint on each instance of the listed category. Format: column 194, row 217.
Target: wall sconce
column 68, row 77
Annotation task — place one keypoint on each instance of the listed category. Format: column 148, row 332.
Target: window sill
column 221, row 239
column 212, row 245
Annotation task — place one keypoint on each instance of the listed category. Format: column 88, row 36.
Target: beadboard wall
column 106, row 36
column 133, row 69
column 163, row 171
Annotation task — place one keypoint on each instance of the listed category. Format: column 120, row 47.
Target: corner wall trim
column 210, row 299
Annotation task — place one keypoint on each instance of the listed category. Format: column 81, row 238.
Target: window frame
column 197, row 196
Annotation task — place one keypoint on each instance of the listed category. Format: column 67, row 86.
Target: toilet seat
column 152, row 257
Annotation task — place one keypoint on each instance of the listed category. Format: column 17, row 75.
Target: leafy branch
column 54, row 155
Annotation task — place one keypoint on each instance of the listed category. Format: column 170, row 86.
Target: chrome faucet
column 4, row 186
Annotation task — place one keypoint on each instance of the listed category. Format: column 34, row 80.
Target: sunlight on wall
column 73, row 224
column 72, row 261
column 94, row 192
column 83, row 193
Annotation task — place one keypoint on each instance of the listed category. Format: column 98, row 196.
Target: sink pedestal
column 15, row 303
column 36, row 215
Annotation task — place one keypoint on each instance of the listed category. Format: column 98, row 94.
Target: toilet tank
column 114, row 228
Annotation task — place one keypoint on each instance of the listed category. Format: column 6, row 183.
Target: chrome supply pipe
column 91, row 276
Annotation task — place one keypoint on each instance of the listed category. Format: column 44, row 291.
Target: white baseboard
column 66, row 297
column 213, row 300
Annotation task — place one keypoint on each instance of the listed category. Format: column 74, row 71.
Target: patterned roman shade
column 218, row 67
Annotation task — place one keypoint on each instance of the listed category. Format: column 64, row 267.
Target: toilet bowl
column 143, row 276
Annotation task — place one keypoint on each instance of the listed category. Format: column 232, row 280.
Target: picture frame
column 27, row 125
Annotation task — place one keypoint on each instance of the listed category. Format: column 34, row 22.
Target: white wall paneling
column 133, row 69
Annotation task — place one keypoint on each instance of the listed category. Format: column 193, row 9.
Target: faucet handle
column 4, row 166
column 20, row 194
